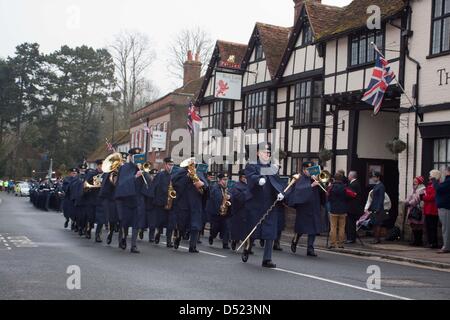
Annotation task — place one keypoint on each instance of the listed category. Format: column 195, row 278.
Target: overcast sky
column 53, row 23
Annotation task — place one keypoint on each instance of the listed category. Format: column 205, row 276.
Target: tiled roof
column 321, row 17
column 192, row 87
column 329, row 21
column 274, row 40
column 120, row 137
column 227, row 49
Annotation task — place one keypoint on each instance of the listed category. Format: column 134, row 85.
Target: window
column 441, row 154
column 440, row 39
column 308, row 102
column 307, row 34
column 258, row 52
column 220, row 115
column 361, row 49
column 260, row 110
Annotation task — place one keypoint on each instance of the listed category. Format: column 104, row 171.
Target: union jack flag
column 193, row 118
column 382, row 76
column 109, row 146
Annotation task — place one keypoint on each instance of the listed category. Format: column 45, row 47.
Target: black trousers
column 350, row 226
column 431, row 224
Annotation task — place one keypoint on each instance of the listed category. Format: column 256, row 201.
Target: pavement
column 38, row 258
column 388, row 250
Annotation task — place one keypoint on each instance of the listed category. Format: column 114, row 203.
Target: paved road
column 35, row 252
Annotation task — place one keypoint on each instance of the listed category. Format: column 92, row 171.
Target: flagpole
column 396, row 79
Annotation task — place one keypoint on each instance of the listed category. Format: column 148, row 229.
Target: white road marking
column 343, row 284
column 373, row 258
column 204, row 252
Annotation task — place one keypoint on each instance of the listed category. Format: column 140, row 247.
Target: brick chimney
column 192, row 68
column 298, row 7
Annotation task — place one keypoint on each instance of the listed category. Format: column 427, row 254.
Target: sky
column 53, row 23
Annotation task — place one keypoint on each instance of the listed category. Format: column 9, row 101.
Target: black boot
column 277, row 246
column 269, row 264
column 66, row 224
column 110, row 236
column 157, row 237
column 134, row 250
column 294, row 244
column 233, row 245
column 193, row 250
column 141, row 234
column 98, row 239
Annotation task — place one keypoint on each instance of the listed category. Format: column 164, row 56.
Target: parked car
column 22, row 189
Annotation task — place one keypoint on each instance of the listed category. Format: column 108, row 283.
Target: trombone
column 323, row 179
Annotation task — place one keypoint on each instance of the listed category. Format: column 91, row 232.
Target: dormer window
column 258, row 52
column 307, row 34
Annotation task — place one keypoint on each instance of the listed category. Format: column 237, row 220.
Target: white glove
column 280, row 197
column 262, row 181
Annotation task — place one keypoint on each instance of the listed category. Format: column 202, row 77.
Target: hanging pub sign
column 228, row 86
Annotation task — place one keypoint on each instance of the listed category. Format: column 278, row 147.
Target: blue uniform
column 126, row 196
column 238, row 220
column 219, row 224
column 188, row 205
column 164, row 218
column 261, row 198
column 106, row 196
column 146, row 214
column 68, row 205
column 307, row 202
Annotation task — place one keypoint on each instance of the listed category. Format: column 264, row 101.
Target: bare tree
column 133, row 55
column 196, row 40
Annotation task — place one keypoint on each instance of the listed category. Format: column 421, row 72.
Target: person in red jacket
column 413, row 202
column 430, row 211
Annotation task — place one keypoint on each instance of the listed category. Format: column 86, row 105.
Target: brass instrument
column 171, row 195
column 324, row 179
column 147, row 167
column 96, row 183
column 111, row 165
column 189, row 164
column 226, row 203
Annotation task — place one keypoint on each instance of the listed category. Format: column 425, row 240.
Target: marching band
column 123, row 193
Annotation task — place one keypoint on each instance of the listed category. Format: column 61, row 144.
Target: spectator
column 344, row 177
column 355, row 206
column 430, row 211
column 376, row 207
column 338, row 211
column 414, row 211
column 443, row 204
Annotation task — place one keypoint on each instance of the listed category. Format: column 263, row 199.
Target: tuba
column 189, row 164
column 111, row 165
column 226, row 203
column 171, row 195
